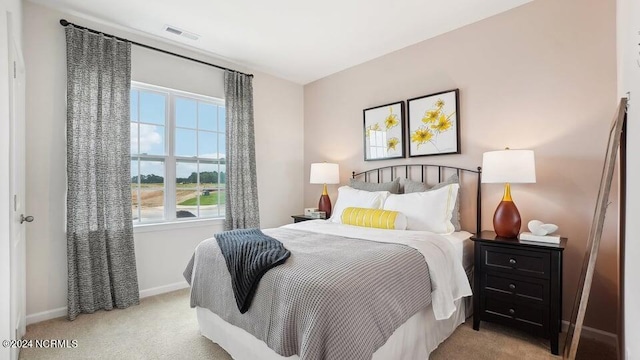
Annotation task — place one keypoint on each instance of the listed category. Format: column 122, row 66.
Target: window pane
column 185, row 113
column 152, row 106
column 221, row 118
column 222, row 174
column 134, row 105
column 207, row 117
column 134, row 138
column 186, row 189
column 221, row 145
column 151, row 190
column 151, row 139
column 208, row 175
column 134, row 190
column 152, row 173
column 221, row 202
column 186, row 203
column 207, row 145
column 186, row 174
column 134, row 172
column 185, row 142
column 210, row 190
column 152, row 204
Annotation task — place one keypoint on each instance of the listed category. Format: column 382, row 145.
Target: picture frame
column 383, row 132
column 434, row 124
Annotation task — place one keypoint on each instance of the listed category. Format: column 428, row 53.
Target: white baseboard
column 46, row 315
column 592, row 333
column 60, row 312
column 163, row 289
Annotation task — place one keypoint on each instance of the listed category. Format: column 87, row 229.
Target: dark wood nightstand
column 519, row 284
column 299, row 218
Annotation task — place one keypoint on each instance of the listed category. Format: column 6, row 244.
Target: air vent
column 179, row 32
column 173, row 30
column 190, row 36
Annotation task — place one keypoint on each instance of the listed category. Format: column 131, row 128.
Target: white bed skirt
column 413, row 340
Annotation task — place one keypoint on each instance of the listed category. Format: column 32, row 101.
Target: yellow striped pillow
column 374, row 218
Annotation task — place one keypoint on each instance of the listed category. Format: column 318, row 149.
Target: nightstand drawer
column 533, row 318
column 516, row 288
column 514, row 261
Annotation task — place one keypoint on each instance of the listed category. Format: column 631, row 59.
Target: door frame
column 5, row 190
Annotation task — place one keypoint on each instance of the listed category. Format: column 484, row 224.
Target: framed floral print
column 434, row 124
column 384, row 132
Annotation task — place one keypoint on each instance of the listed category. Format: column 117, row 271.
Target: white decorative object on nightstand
column 539, row 228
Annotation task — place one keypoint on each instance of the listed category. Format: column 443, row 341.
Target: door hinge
column 15, row 202
column 15, row 75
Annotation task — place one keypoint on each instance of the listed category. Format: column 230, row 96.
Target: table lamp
column 508, row 167
column 324, row 173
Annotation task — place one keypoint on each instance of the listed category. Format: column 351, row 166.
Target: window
column 178, row 166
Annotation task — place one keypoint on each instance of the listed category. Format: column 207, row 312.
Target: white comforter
column 448, row 279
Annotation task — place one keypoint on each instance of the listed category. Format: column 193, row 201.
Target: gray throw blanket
column 249, row 254
column 334, row 298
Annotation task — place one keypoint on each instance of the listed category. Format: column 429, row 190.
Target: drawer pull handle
column 512, row 261
column 512, row 286
column 512, row 311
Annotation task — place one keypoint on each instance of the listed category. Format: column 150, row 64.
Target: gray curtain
column 241, row 182
column 100, row 250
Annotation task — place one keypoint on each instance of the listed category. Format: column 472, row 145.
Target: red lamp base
column 325, row 204
column 506, row 220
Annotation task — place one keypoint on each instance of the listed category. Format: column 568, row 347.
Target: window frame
column 170, row 160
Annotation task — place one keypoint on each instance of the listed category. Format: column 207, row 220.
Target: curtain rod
column 65, row 23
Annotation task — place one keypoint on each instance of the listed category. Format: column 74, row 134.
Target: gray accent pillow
column 391, row 186
column 416, row 186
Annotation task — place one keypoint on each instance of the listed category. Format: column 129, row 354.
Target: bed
column 366, row 291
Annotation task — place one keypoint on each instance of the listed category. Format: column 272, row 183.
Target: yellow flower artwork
column 421, row 136
column 392, row 143
column 433, row 125
column 384, row 133
column 430, row 116
column 443, row 124
column 391, row 120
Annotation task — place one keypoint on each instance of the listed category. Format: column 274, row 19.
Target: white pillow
column 426, row 211
column 350, row 197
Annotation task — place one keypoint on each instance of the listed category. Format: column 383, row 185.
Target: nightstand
column 518, row 284
column 300, row 218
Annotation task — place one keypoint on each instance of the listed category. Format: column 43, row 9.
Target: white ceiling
column 298, row 40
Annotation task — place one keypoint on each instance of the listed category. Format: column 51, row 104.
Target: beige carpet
column 164, row 327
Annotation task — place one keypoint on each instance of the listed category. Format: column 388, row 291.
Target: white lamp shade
column 324, row 173
column 509, row 166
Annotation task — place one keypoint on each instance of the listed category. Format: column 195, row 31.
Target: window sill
column 174, row 225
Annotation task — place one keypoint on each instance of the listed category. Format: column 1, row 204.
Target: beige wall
column 162, row 252
column 541, row 76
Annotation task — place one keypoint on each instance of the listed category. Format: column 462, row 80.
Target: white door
column 17, row 186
